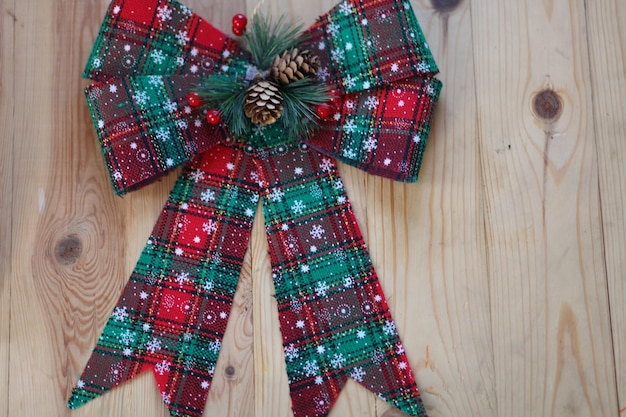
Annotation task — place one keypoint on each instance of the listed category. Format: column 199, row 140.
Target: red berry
column 239, row 24
column 194, row 100
column 214, row 116
column 323, row 110
column 237, row 31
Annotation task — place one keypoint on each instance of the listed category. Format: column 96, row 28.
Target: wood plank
column 427, row 239
column 7, row 136
column 548, row 212
column 551, row 335
column 607, row 46
column 62, row 282
column 62, row 302
column 400, row 236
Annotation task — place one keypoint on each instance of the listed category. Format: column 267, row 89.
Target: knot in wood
column 68, row 250
column 230, row 371
column 547, row 105
column 445, row 6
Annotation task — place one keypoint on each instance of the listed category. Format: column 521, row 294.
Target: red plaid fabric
column 334, row 318
column 172, row 314
column 383, row 131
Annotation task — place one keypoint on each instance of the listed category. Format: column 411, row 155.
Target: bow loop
column 157, row 37
column 369, row 43
column 146, row 128
column 383, row 131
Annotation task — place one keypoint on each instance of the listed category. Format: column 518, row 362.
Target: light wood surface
column 504, row 266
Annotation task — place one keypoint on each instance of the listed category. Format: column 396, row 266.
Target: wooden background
column 504, row 266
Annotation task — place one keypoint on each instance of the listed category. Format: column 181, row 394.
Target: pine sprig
column 266, row 39
column 299, row 99
column 227, row 93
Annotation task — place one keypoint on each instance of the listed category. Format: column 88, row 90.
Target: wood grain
column 503, row 266
column 551, row 335
column 607, row 47
column 430, row 237
column 7, row 133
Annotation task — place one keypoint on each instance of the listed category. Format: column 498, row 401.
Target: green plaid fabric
column 335, row 321
column 148, row 56
column 172, row 315
column 383, row 131
column 146, row 128
column 157, row 37
column 367, row 43
column 334, row 318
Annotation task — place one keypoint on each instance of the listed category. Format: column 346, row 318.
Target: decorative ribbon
column 334, row 318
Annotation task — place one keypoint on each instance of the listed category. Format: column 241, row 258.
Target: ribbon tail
column 173, row 312
column 334, row 318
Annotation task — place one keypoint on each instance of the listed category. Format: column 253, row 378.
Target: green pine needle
column 227, row 92
column 299, row 99
column 266, row 39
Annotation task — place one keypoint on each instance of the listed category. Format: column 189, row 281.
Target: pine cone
column 294, row 65
column 263, row 103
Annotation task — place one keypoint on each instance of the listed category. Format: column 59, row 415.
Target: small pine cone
column 294, row 65
column 263, row 103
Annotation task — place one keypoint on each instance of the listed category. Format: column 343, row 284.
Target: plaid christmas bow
column 172, row 314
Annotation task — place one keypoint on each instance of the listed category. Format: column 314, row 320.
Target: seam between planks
column 483, row 202
column 592, row 76
column 11, row 205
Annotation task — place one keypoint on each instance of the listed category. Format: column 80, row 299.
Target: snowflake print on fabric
column 389, row 327
column 291, row 352
column 162, row 134
column 154, row 345
column 332, row 29
column 321, row 288
column 127, row 338
column 326, row 165
column 350, row 126
column 371, row 103
column 346, row 8
column 182, row 37
column 120, row 313
column 310, row 368
column 357, row 374
column 164, row 13
column 298, row 207
column 162, row 367
column 334, row 318
column 170, row 106
column 157, row 56
column 338, row 360
column 339, row 56
column 182, row 278
column 317, row 231
column 197, row 175
column 277, row 195
column 349, row 81
column 209, row 227
column 207, row 196
column 370, row 145
column 141, row 98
